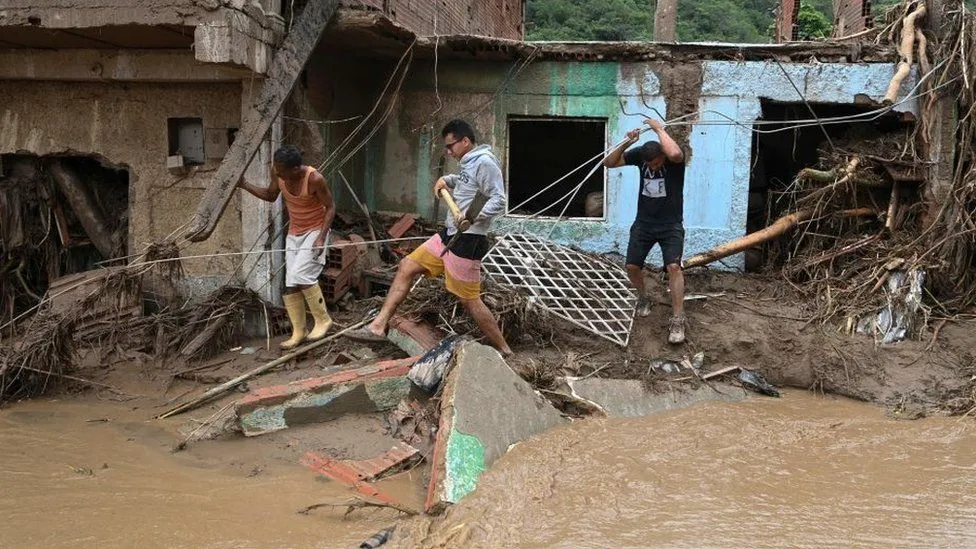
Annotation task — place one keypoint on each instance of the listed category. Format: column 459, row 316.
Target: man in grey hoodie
column 461, row 265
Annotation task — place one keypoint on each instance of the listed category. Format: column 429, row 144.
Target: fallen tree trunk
column 85, row 207
column 751, row 240
column 286, row 67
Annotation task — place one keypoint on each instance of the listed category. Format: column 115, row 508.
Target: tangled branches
column 952, row 235
column 517, row 318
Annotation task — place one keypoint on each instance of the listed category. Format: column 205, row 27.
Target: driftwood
column 751, row 240
column 892, row 208
column 906, row 53
column 224, row 387
column 848, row 175
column 359, row 503
column 85, row 207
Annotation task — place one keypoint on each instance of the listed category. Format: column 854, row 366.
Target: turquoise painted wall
column 717, row 177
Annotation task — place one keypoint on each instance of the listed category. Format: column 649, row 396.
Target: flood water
column 66, row 481
column 800, row 471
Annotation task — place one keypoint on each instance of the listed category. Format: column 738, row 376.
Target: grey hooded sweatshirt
column 480, row 171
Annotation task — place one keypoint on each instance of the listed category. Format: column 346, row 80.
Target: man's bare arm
column 269, row 193
column 669, row 147
column 321, row 190
column 616, row 157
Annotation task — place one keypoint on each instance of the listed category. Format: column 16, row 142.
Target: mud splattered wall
column 127, row 125
column 717, row 179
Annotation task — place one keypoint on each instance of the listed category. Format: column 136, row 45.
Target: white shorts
column 303, row 264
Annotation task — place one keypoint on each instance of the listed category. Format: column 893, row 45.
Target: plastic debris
column 428, row 372
column 899, row 317
column 755, row 382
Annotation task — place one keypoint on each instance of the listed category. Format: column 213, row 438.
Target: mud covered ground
column 761, row 324
column 757, row 324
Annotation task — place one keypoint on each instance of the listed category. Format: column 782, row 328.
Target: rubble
column 485, row 408
column 398, row 457
column 342, row 472
column 414, row 337
column 369, row 389
column 630, row 398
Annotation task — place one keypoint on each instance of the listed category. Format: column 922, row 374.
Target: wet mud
column 801, row 471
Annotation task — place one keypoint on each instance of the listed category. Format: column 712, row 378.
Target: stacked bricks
column 337, row 277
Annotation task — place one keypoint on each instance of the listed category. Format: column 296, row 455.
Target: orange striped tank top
column 305, row 211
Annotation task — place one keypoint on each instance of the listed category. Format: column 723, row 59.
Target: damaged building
column 125, row 112
column 117, row 114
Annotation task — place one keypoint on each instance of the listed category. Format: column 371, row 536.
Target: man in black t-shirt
column 660, row 216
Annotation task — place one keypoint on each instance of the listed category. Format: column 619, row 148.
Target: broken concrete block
column 397, row 457
column 485, row 408
column 373, row 388
column 628, row 398
column 342, row 472
column 414, row 338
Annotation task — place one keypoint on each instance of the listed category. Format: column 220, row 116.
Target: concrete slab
column 628, row 398
column 485, row 408
column 374, row 388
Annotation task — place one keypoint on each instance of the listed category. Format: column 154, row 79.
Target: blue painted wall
column 717, row 177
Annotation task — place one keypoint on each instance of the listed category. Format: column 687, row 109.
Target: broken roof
column 381, row 37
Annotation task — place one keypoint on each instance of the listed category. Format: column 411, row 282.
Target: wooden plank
column 285, row 69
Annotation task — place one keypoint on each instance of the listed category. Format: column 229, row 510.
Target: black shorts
column 643, row 238
column 467, row 245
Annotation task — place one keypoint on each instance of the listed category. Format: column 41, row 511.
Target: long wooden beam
column 285, row 69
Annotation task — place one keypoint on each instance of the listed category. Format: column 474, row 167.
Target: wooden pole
column 779, row 227
column 224, row 387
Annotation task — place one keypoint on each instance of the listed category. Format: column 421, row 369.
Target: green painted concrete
column 465, row 463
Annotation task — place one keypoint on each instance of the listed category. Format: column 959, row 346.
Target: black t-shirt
column 660, row 201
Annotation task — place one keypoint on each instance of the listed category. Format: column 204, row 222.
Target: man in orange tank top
column 311, row 210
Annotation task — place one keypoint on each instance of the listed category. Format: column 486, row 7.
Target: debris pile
column 872, row 211
column 55, row 222
column 518, row 319
column 104, row 310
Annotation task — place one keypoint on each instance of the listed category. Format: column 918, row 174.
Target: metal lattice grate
column 589, row 292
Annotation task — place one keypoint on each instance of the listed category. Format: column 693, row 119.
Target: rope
column 258, row 252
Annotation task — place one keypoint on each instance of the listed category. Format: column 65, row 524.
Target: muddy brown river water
column 801, row 471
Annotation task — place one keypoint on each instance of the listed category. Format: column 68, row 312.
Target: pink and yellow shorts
column 462, row 276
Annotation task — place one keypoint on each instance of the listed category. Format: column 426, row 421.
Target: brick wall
column 495, row 18
column 786, row 20
column 851, row 16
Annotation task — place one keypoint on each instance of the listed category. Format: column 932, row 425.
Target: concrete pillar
column 261, row 222
column 942, row 144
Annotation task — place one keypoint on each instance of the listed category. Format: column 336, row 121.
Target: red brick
column 402, row 226
column 268, row 396
column 412, row 337
column 339, row 471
